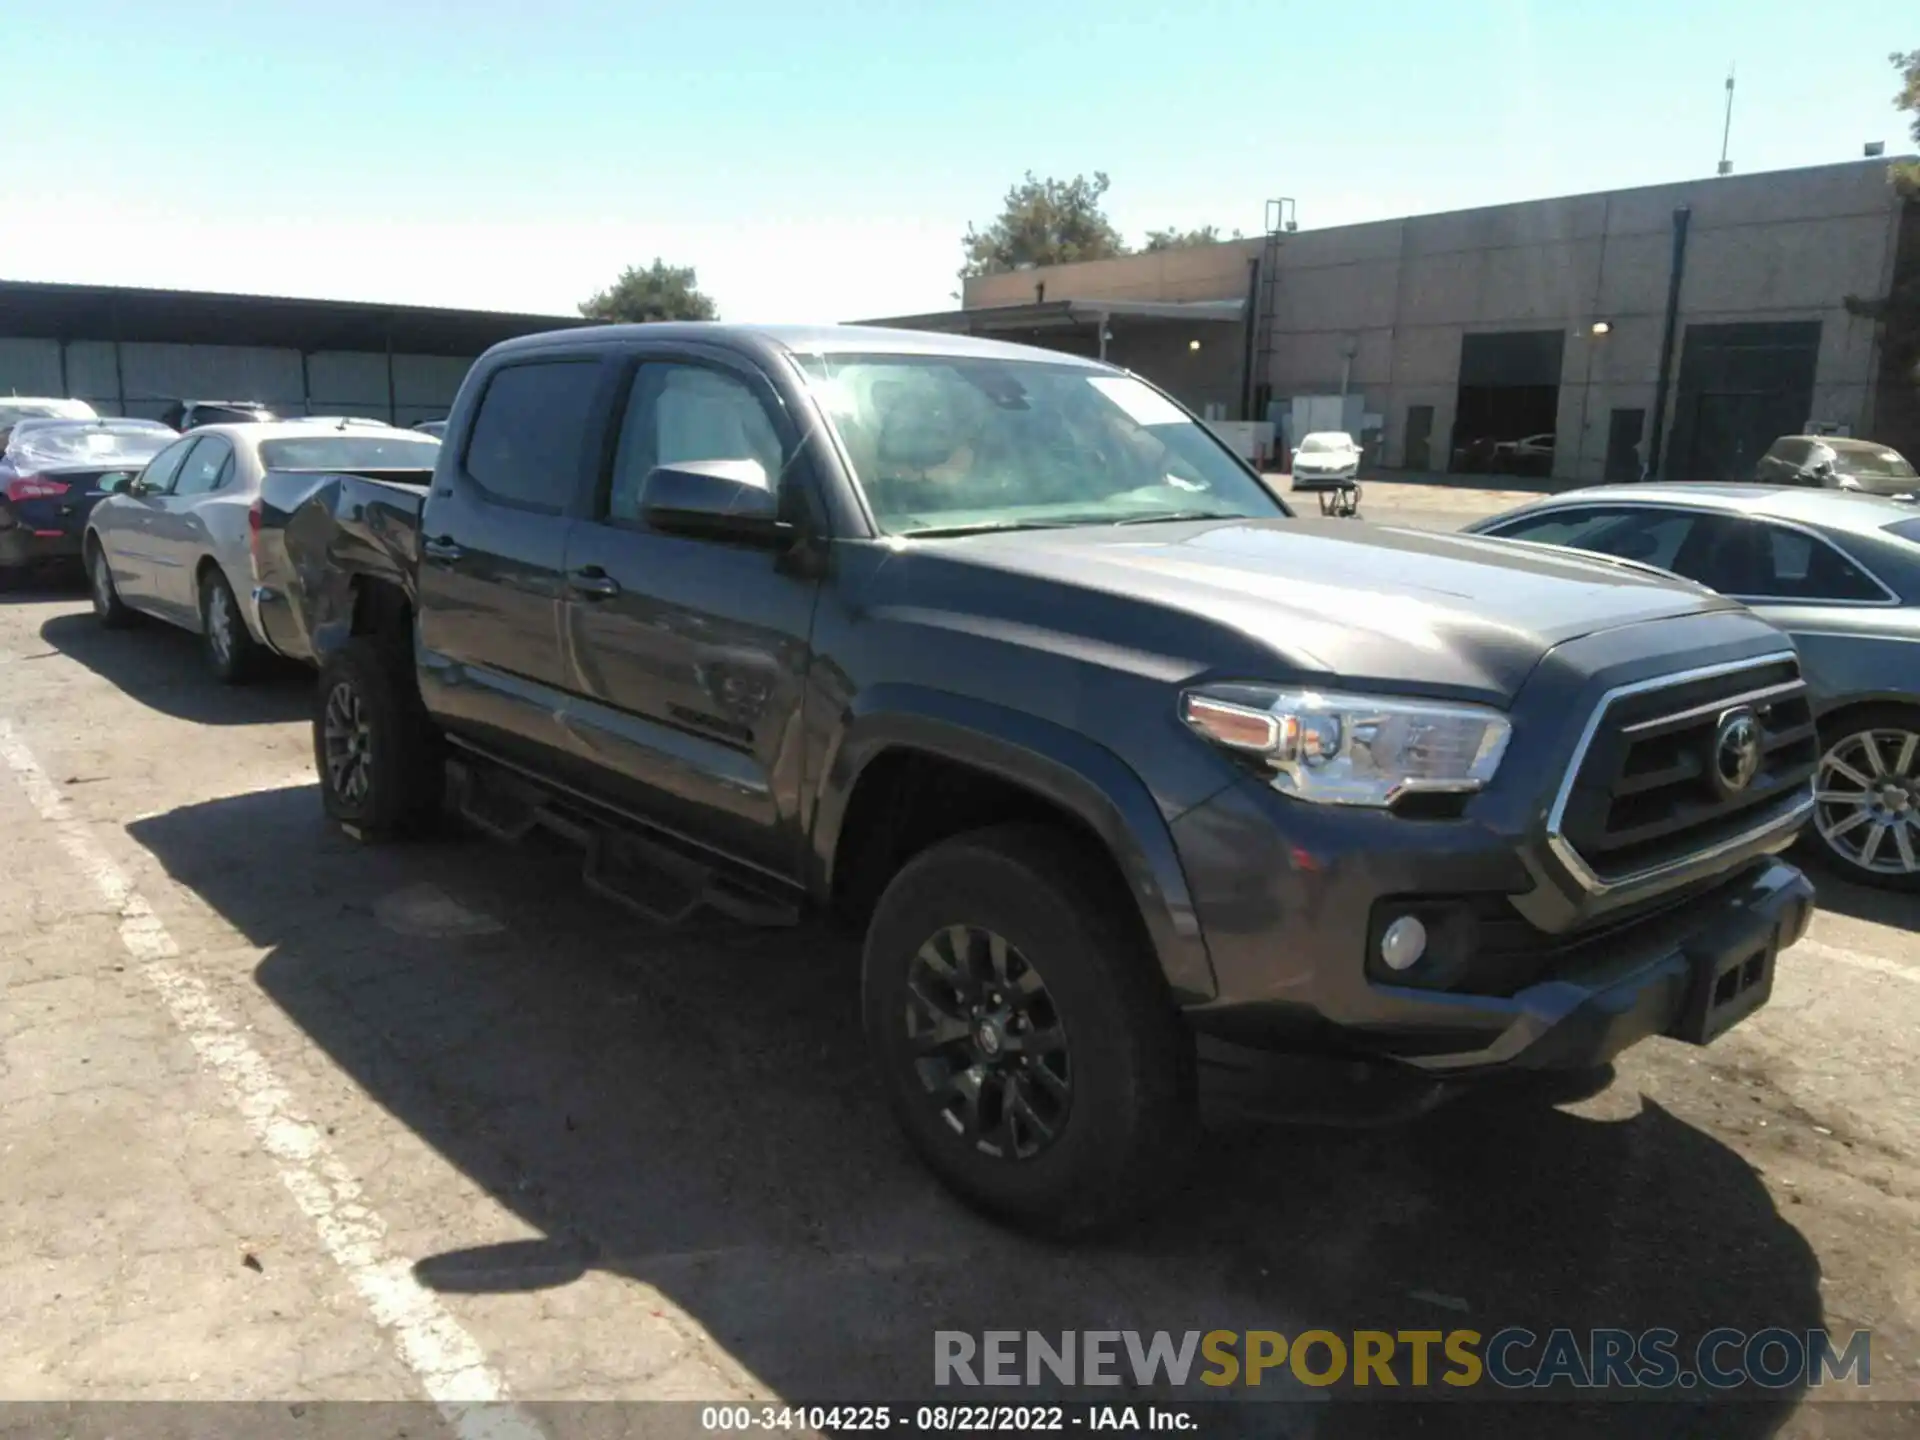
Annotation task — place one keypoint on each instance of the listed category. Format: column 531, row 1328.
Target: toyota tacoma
column 1116, row 763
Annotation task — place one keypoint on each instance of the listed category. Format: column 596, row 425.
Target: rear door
column 692, row 653
column 493, row 547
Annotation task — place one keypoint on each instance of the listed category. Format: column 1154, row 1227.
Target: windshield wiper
column 1171, row 515
column 985, row 526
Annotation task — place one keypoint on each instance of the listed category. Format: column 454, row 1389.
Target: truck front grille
column 1684, row 764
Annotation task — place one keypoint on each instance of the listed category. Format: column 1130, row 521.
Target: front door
column 694, row 652
column 178, row 535
column 492, row 550
column 126, row 526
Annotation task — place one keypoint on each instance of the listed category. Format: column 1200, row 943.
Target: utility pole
column 1726, row 131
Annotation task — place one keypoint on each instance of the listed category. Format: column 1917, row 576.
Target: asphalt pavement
column 285, row 1118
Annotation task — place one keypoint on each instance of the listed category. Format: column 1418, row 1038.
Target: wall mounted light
column 1193, row 344
column 1603, row 327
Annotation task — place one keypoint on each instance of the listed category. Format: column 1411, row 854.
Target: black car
column 1002, row 658
column 184, row 415
column 52, row 474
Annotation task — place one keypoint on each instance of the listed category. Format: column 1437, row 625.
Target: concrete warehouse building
column 130, row 352
column 1692, row 322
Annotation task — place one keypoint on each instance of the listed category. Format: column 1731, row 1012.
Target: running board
column 663, row 885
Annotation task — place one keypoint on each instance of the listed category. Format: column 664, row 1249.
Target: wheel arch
column 1026, row 768
column 1837, row 716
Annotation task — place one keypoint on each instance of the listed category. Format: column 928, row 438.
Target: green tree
column 659, row 292
column 1171, row 239
column 1906, row 173
column 1044, row 222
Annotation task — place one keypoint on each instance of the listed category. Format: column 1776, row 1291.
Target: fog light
column 1404, row 942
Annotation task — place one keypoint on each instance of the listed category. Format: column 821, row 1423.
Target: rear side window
column 1908, row 530
column 1653, row 537
column 1786, row 564
column 525, row 445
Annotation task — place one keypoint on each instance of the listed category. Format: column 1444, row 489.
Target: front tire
column 108, row 608
column 1026, row 1043
column 232, row 654
column 1866, row 814
column 381, row 762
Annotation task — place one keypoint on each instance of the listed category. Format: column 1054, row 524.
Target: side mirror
column 714, row 500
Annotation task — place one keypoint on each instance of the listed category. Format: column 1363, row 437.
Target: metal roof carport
column 1193, row 349
column 82, row 338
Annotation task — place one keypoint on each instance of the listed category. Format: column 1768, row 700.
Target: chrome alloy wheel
column 1867, row 801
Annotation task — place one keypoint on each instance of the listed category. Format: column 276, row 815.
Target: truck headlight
column 1339, row 749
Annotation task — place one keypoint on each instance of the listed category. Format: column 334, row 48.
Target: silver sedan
column 176, row 542
column 1840, row 574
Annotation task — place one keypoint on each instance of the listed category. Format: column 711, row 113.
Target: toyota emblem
column 1736, row 751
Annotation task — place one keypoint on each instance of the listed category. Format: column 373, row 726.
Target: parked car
column 1004, row 657
column 184, row 415
column 435, row 428
column 1324, row 460
column 1840, row 574
column 1327, row 464
column 1832, row 463
column 1529, row 455
column 53, row 473
column 178, row 542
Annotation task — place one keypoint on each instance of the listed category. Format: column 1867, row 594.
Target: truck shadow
column 160, row 665
column 693, row 1110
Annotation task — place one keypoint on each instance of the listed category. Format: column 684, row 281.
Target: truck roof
column 799, row 340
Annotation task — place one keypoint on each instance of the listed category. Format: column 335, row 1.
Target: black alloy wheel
column 993, row 1053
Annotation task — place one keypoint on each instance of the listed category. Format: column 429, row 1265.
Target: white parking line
column 450, row 1365
column 1860, row 962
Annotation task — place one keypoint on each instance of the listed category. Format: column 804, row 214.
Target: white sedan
column 177, row 541
column 1327, row 463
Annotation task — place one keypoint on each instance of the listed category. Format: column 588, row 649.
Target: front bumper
column 1311, row 480
column 1691, row 974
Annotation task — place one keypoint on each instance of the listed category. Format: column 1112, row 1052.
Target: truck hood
column 1350, row 601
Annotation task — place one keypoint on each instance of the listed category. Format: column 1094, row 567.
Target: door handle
column 590, row 582
column 441, row 547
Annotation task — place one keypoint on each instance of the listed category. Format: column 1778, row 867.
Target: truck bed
column 321, row 531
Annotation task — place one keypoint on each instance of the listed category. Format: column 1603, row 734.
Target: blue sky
column 819, row 161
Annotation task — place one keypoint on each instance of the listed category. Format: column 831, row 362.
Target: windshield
column 1321, row 444
column 1871, row 462
column 46, row 443
column 943, row 442
column 350, row 452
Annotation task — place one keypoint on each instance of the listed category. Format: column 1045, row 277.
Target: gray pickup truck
column 1118, row 765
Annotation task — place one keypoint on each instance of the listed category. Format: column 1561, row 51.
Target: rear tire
column 108, row 608
column 381, row 762
column 1847, row 813
column 1044, row 971
column 232, row 654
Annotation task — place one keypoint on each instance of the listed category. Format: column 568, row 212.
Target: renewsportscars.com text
column 1511, row 1359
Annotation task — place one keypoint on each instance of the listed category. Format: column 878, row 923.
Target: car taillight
column 34, row 487
column 253, row 536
